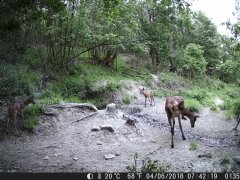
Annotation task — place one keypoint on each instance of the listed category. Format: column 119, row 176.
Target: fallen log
column 87, row 116
column 74, row 105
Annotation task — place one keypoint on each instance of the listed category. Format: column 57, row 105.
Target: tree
column 193, row 62
column 205, row 34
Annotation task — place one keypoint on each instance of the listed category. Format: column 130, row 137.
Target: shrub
column 127, row 99
column 148, row 165
column 193, row 145
column 192, row 104
column 31, row 113
column 193, row 62
column 16, row 81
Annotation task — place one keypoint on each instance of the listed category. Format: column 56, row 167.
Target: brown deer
column 174, row 107
column 18, row 106
column 148, row 94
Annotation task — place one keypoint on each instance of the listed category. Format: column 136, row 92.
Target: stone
column 207, row 155
column 109, row 156
column 107, row 127
column 94, row 128
column 236, row 159
column 111, row 108
column 46, row 158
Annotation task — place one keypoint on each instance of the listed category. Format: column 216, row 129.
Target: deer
column 174, row 107
column 15, row 107
column 148, row 94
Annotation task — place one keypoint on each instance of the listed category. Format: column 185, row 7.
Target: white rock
column 109, row 156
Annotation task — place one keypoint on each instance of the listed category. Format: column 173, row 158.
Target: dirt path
column 61, row 145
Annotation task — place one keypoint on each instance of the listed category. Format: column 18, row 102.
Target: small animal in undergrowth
column 15, row 107
column 174, row 107
column 148, row 94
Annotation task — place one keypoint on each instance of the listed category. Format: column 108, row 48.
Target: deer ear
column 197, row 116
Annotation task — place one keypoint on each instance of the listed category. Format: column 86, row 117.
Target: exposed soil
column 61, row 143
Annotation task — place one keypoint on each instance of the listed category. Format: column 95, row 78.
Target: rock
column 75, row 159
column 99, row 143
column 131, row 120
column 11, row 171
column 107, row 127
column 111, row 108
column 46, row 158
column 117, row 154
column 109, row 156
column 207, row 155
column 94, row 128
column 236, row 159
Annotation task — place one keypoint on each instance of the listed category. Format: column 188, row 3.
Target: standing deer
column 174, row 107
column 15, row 107
column 148, row 94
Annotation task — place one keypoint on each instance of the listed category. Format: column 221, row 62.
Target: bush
column 193, row 145
column 31, row 113
column 193, row 63
column 148, row 166
column 227, row 71
column 192, row 104
column 16, row 81
column 127, row 99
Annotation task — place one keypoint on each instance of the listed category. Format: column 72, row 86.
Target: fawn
column 18, row 106
column 148, row 94
column 174, row 107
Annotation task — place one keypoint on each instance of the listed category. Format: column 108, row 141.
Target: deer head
column 193, row 120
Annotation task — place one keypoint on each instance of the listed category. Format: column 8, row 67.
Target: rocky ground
column 80, row 139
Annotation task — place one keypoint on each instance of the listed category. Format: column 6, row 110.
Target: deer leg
column 153, row 100
column 14, row 122
column 173, row 125
column 8, row 119
column 23, row 118
column 171, row 130
column 237, row 123
column 149, row 101
column 180, row 125
column 145, row 101
column 150, row 98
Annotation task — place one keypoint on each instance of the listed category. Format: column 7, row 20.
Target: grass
column 31, row 113
column 193, row 145
column 93, row 84
column 148, row 165
column 200, row 93
column 127, row 99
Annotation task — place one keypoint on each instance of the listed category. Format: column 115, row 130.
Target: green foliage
column 192, row 104
column 31, row 57
column 193, row 145
column 225, row 160
column 154, row 166
column 148, row 166
column 15, row 81
column 227, row 71
column 127, row 99
column 133, row 168
column 194, row 64
column 112, row 86
column 31, row 113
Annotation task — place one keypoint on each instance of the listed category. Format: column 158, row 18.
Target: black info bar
column 127, row 176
